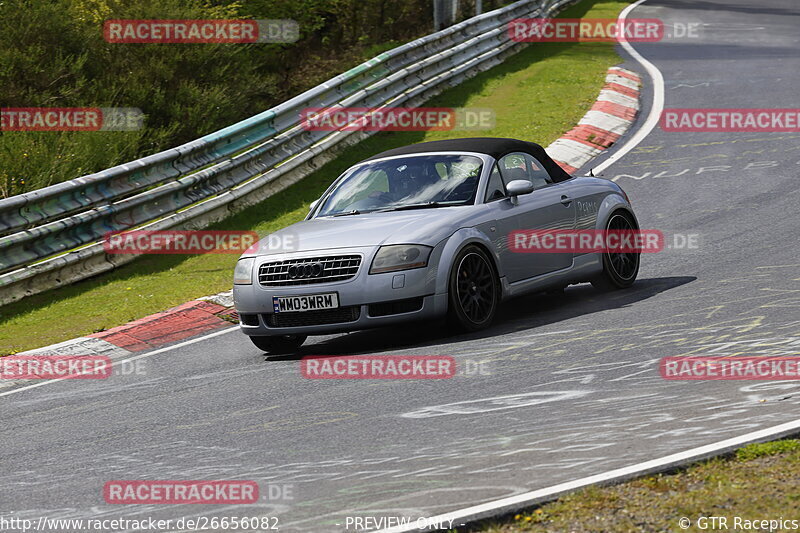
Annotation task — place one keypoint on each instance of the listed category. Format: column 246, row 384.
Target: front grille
column 313, row 318
column 308, row 270
column 395, row 308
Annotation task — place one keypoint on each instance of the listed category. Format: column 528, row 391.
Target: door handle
column 566, row 200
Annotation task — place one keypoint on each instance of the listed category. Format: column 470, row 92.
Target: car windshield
column 411, row 182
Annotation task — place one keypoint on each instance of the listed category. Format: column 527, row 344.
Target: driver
column 413, row 180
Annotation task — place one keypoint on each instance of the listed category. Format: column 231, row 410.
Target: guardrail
column 52, row 236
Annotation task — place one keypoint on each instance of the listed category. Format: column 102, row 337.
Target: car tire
column 619, row 269
column 279, row 344
column 473, row 291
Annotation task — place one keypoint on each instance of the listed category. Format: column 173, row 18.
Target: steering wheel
column 463, row 189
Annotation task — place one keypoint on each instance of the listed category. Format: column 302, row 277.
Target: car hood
column 426, row 226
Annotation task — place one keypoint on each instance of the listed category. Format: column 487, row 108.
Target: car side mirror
column 313, row 205
column 518, row 188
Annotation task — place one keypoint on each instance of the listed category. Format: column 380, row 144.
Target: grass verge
column 758, row 482
column 536, row 95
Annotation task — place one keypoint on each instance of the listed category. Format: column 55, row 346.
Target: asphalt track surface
column 569, row 386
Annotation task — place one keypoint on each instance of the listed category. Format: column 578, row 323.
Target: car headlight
column 243, row 273
column 400, row 257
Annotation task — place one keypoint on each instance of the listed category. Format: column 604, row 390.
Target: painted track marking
column 658, row 98
column 134, row 358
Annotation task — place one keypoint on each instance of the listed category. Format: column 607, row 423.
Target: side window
column 538, row 175
column 514, row 167
column 495, row 190
column 520, row 166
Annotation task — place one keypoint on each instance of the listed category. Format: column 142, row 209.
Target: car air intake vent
column 308, row 270
column 395, row 308
column 313, row 318
column 249, row 320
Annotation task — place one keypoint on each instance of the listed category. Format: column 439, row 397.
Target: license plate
column 309, row 302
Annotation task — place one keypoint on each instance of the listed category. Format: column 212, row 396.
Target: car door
column 549, row 207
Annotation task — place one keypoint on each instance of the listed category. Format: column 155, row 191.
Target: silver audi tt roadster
column 425, row 231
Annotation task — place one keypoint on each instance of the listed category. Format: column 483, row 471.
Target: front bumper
column 365, row 301
column 432, row 306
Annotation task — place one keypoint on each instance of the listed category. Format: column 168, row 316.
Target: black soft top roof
column 496, row 147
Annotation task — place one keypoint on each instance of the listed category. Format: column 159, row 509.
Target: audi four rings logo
column 308, row 270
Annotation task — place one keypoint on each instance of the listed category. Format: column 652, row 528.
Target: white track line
column 658, row 97
column 515, row 503
column 134, row 358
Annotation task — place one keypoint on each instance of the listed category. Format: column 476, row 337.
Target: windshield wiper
column 417, row 206
column 407, row 207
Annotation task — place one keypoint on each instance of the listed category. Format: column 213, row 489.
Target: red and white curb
column 148, row 333
column 610, row 117
column 172, row 325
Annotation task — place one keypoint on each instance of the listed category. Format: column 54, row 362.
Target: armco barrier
column 51, row 236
